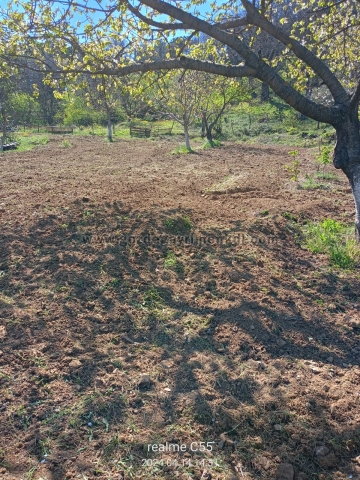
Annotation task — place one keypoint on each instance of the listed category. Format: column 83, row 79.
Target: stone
column 330, row 359
column 285, row 471
column 281, row 342
column 328, row 461
column 303, row 476
column 278, row 427
column 322, row 451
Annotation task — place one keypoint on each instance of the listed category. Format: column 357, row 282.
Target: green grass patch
column 170, row 260
column 213, row 144
column 183, row 149
column 325, row 175
column 153, row 299
column 311, row 184
column 335, row 239
column 32, row 141
column 172, row 263
column 65, row 144
column 178, row 225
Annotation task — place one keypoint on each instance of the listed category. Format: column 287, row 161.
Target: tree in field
column 103, row 93
column 131, row 100
column 7, row 85
column 179, row 97
column 323, row 44
column 24, row 109
column 218, row 99
column 78, row 112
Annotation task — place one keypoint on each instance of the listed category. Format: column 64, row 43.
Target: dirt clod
column 285, row 471
column 144, row 382
column 328, row 461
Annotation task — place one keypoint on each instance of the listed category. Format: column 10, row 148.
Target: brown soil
column 119, row 331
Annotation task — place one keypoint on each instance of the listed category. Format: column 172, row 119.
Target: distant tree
column 23, row 108
column 180, row 97
column 104, row 94
column 78, row 112
column 218, row 99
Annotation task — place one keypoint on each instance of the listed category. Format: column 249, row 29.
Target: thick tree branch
column 226, row 24
column 319, row 67
column 153, row 23
column 263, row 71
column 182, row 62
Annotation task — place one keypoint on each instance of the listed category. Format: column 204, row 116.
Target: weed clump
column 336, row 240
column 178, row 225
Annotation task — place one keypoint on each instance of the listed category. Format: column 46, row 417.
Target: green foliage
column 183, row 149
column 294, row 167
column 77, row 112
column 214, row 143
column 335, row 239
column 310, row 183
column 325, row 175
column 178, row 225
column 23, row 109
column 324, row 156
column 172, row 263
column 32, row 141
column 153, row 299
column 170, row 260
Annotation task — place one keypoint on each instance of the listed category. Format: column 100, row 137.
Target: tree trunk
column 347, row 157
column 187, row 138
column 355, row 185
column 265, row 92
column 109, row 126
column 3, row 133
column 207, row 129
column 209, row 135
column 203, row 126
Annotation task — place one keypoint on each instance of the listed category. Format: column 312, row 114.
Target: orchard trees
column 119, row 39
column 180, row 98
column 221, row 94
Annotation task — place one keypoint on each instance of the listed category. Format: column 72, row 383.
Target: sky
column 203, row 9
